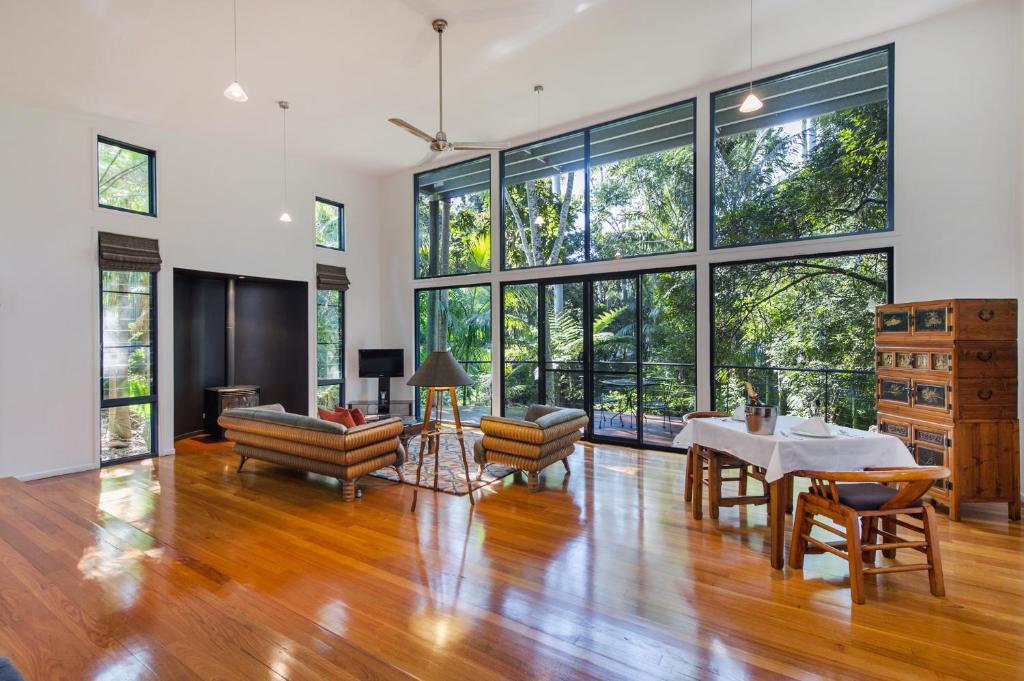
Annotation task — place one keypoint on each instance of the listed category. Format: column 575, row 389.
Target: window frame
column 416, row 221
column 341, row 223
column 340, row 381
column 585, row 131
column 888, row 251
column 152, row 398
column 151, row 169
column 587, row 279
column 416, row 336
column 890, row 50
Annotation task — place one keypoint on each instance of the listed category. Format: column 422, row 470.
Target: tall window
column 801, row 331
column 458, row 320
column 329, row 224
column 453, row 219
column 126, row 177
column 127, row 365
column 617, row 190
column 330, row 348
column 815, row 161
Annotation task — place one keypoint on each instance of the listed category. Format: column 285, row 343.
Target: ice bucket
column 761, row 419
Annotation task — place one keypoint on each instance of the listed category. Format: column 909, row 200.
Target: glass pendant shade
column 751, row 104
column 235, row 93
column 285, row 217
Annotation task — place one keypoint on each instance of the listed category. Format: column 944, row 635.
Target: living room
column 684, row 236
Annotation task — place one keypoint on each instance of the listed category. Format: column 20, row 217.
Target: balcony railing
column 843, row 396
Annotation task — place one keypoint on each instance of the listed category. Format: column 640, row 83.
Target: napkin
column 740, row 413
column 813, row 426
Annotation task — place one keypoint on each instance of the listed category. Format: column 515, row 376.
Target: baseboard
column 57, row 471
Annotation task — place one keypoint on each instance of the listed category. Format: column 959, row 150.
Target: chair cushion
column 866, row 496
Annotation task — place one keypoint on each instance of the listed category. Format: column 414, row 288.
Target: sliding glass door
column 620, row 347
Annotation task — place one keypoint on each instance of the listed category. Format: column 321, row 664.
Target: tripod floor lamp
column 440, row 374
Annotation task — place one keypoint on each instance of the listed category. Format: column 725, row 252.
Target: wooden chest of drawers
column 946, row 384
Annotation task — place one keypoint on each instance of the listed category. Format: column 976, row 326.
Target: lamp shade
column 440, row 371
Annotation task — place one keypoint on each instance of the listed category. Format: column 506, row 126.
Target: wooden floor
column 181, row 568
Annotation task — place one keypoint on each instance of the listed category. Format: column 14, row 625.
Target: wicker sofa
column 310, row 444
column 544, row 436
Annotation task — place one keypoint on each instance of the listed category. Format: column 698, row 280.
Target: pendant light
column 538, row 89
column 284, row 157
column 234, row 92
column 751, row 103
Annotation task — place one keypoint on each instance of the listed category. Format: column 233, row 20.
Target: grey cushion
column 283, row 418
column 866, row 496
column 546, row 417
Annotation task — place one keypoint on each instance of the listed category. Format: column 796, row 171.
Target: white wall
column 956, row 166
column 218, row 206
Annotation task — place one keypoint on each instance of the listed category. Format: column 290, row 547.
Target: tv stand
column 369, row 407
column 384, row 395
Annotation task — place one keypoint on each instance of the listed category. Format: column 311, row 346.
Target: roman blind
column 129, row 253
column 840, row 85
column 331, row 278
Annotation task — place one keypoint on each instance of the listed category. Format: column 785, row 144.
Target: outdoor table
column 783, row 453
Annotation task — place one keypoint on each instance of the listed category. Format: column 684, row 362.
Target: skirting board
column 71, row 469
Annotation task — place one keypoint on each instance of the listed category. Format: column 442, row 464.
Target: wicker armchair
column 546, row 435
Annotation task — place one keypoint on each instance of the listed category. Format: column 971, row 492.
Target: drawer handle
column 985, row 394
column 984, row 356
column 986, row 315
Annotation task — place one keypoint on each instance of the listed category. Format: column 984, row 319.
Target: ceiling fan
column 439, row 141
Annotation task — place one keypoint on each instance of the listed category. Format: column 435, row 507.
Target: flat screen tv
column 381, row 363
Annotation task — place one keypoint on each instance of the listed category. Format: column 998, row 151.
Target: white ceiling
column 348, row 65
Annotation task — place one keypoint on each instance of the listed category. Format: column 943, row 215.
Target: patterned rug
column 452, row 475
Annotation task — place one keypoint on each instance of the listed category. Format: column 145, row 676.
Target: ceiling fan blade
column 411, row 128
column 479, row 146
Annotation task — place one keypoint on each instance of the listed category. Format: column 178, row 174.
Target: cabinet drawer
column 893, row 321
column 932, row 319
column 933, row 395
column 890, row 426
column 895, row 390
column 929, row 455
column 980, row 359
column 986, row 319
column 987, row 398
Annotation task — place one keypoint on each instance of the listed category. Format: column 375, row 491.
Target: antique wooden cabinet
column 947, row 386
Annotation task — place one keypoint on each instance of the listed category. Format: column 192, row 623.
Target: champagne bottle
column 752, row 394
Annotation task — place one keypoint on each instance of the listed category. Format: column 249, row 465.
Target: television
column 381, row 363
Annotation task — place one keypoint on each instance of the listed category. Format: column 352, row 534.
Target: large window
column 621, row 346
column 453, row 219
column 127, row 365
column 459, row 320
column 330, row 348
column 126, row 177
column 801, row 331
column 815, row 161
column 329, row 224
column 617, row 190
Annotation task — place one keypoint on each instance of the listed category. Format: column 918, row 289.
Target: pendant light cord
column 440, row 81
column 750, row 45
column 234, row 23
column 284, row 148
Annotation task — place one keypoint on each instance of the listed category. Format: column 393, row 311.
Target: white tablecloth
column 781, row 453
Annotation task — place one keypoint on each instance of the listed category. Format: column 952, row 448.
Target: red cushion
column 347, row 419
column 357, row 416
column 337, row 417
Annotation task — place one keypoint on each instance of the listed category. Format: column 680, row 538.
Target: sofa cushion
column 358, row 416
column 337, row 416
column 547, row 417
column 283, row 418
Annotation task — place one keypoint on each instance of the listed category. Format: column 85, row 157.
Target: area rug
column 452, row 475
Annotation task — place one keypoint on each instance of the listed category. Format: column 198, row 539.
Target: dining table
column 784, row 452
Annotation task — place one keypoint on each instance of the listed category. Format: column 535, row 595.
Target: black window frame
column 152, row 398
column 416, row 220
column 888, row 251
column 416, row 336
column 585, row 131
column 587, row 279
column 890, row 50
column 340, row 381
column 341, row 223
column 151, row 169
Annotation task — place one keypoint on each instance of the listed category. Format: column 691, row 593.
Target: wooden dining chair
column 716, row 463
column 867, row 505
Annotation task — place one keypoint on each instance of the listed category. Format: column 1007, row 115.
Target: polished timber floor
column 181, row 568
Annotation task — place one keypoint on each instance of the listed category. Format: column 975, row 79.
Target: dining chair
column 867, row 505
column 700, row 459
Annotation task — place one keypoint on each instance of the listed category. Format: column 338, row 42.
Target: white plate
column 742, row 420
column 814, row 435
